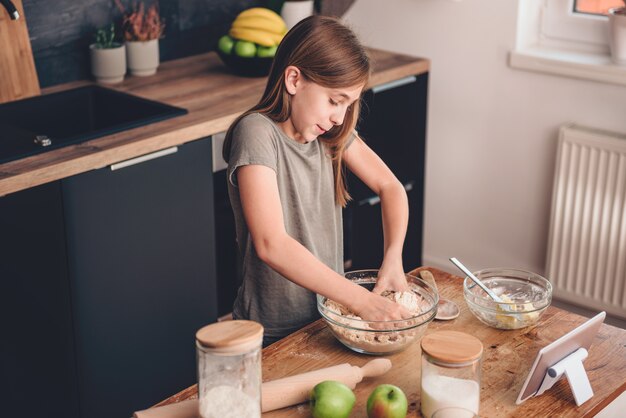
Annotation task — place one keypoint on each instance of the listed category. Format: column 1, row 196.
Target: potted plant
column 617, row 34
column 142, row 27
column 108, row 57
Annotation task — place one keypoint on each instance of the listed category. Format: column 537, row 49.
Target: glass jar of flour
column 451, row 363
column 228, row 356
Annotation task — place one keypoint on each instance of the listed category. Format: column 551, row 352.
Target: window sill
column 587, row 66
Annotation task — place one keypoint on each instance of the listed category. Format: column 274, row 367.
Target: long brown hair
column 329, row 54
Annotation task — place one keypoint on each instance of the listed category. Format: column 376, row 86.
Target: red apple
column 387, row 401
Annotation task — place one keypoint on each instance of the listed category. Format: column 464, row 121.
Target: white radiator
column 586, row 260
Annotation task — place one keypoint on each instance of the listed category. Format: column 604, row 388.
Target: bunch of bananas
column 259, row 25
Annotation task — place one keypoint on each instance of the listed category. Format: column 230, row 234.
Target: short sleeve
column 351, row 138
column 252, row 143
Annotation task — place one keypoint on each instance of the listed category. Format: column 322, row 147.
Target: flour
column 228, row 402
column 443, row 391
column 410, row 299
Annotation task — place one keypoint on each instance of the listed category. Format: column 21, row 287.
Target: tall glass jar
column 451, row 363
column 228, row 356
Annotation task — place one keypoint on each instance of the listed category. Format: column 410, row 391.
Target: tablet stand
column 572, row 367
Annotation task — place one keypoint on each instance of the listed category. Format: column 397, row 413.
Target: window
column 567, row 38
column 597, row 7
column 576, row 24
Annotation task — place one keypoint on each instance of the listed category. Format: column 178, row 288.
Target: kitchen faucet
column 11, row 10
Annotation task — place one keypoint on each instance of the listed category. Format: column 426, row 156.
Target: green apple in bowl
column 387, row 401
column 226, row 44
column 331, row 399
column 266, row 51
column 245, row 49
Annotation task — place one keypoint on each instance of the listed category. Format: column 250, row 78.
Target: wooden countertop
column 507, row 358
column 202, row 85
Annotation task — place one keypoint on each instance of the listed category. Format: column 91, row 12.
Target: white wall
column 492, row 130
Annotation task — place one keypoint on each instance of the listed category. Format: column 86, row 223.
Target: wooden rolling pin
column 296, row 389
column 283, row 392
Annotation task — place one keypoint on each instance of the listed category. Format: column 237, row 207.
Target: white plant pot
column 143, row 57
column 294, row 11
column 108, row 65
column 617, row 35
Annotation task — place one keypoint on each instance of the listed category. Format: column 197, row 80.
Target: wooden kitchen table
column 507, row 358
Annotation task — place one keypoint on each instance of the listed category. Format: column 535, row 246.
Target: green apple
column 331, row 399
column 225, row 44
column 387, row 401
column 245, row 49
column 266, row 51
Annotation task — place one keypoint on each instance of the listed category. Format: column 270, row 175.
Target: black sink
column 42, row 123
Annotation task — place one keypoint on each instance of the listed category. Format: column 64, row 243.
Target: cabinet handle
column 146, row 157
column 393, row 84
column 374, row 200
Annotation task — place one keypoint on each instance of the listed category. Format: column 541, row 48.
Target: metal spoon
column 446, row 309
column 476, row 280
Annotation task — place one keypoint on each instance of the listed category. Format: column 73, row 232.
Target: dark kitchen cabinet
column 393, row 124
column 226, row 253
column 140, row 255
column 37, row 344
column 105, row 278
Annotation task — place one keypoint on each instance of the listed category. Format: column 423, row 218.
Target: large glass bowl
column 381, row 337
column 527, row 296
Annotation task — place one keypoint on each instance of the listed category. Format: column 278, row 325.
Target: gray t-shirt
column 304, row 175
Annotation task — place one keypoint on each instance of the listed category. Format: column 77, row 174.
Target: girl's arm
column 368, row 167
column 262, row 211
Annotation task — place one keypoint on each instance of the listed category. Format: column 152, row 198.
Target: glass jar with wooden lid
column 228, row 356
column 451, row 363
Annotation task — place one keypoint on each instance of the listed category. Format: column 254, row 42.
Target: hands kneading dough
column 384, row 339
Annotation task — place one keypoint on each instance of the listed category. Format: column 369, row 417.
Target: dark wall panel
column 61, row 31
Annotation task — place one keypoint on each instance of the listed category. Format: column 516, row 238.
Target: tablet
column 580, row 337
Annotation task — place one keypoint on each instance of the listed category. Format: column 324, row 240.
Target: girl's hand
column 391, row 277
column 378, row 308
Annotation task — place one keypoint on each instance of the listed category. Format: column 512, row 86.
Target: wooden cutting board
column 18, row 76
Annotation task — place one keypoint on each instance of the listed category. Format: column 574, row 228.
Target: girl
column 286, row 183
